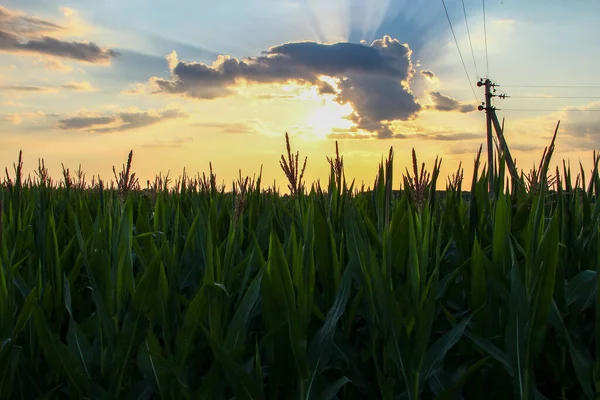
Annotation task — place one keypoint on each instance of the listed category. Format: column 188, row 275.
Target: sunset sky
column 182, row 83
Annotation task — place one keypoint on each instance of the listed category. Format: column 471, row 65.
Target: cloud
column 374, row 79
column 27, row 89
column 582, row 128
column 68, row 12
column 12, row 103
column 354, row 133
column 55, row 65
column 227, row 127
column 410, row 130
column 326, row 88
column 17, row 23
column 265, row 96
column 429, row 75
column 138, row 88
column 119, row 121
column 377, row 101
column 80, row 51
column 13, row 118
column 339, row 135
column 442, row 102
column 80, row 86
column 18, row 118
column 27, row 35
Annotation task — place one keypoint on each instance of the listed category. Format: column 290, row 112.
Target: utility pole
column 492, row 122
column 490, row 144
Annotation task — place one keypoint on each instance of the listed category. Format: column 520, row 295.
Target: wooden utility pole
column 492, row 122
column 488, row 119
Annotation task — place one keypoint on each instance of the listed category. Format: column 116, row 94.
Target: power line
column 546, row 110
column 469, row 34
column 555, row 86
column 459, row 52
column 554, row 97
column 487, row 62
column 549, row 1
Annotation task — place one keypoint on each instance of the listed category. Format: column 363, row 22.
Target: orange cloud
column 80, row 86
column 119, row 121
column 54, row 64
column 27, row 89
column 17, row 118
column 22, row 34
column 138, row 88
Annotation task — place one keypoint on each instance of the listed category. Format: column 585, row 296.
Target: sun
column 327, row 116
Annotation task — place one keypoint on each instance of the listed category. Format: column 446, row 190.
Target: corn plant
column 185, row 291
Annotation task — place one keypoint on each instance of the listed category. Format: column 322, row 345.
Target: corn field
column 399, row 291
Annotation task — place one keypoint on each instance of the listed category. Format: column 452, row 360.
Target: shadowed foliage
column 187, row 291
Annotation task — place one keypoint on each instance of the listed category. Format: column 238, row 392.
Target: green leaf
column 460, row 379
column 436, row 353
column 580, row 358
column 320, row 350
column 58, row 356
column 332, row 390
column 278, row 293
column 242, row 383
column 581, row 290
column 236, row 333
column 493, row 351
column 79, row 346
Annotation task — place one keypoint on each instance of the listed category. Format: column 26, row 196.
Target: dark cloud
column 85, row 122
column 326, row 88
column 18, row 88
column 582, row 128
column 118, row 122
column 17, row 23
column 442, row 102
column 22, row 34
column 302, row 62
column 581, row 125
column 80, row 51
column 377, row 102
column 374, row 79
column 429, row 75
column 384, row 56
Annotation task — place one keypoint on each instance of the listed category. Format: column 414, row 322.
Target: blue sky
column 187, row 82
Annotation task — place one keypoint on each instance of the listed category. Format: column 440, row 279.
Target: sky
column 183, row 83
